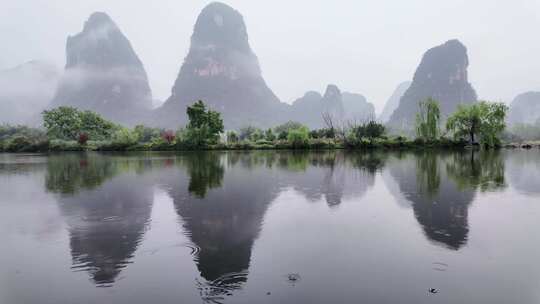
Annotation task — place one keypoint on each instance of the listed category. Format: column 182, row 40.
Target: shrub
column 168, row 136
column 299, row 137
column 83, row 138
column 283, row 135
column 232, row 137
column 64, row 145
column 269, row 135
column 123, row 138
column 146, row 134
column 257, row 135
column 369, row 130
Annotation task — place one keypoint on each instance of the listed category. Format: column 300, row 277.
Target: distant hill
column 342, row 106
column 357, row 108
column 525, row 108
column 442, row 75
column 104, row 74
column 393, row 102
column 222, row 70
column 26, row 90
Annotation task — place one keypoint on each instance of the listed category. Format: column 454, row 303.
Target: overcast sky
column 366, row 47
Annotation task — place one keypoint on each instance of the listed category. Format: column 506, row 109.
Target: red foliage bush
column 83, row 138
column 168, row 136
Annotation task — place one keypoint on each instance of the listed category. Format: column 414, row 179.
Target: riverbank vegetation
column 70, row 129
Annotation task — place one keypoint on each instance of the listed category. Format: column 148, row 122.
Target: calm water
column 267, row 227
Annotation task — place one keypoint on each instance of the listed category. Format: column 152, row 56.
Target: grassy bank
column 19, row 145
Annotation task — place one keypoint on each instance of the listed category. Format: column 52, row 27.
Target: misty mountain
column 222, row 70
column 357, row 108
column 309, row 109
column 525, row 108
column 393, row 102
column 342, row 106
column 442, row 75
column 104, row 74
column 26, row 90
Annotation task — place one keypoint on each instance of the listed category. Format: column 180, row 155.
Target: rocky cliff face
column 104, row 74
column 222, row 70
column 442, row 75
column 393, row 102
column 25, row 91
column 525, row 108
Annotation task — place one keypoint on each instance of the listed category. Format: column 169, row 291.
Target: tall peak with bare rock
column 104, row 74
column 442, row 75
column 222, row 70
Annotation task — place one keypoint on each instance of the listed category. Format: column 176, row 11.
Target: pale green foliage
column 298, row 137
column 482, row 120
column 286, row 127
column 125, row 137
column 428, row 119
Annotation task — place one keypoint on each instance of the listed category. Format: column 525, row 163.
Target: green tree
column 246, row 132
column 428, row 119
column 370, row 130
column 124, row 137
column 204, row 124
column 299, row 137
column 146, row 134
column 483, row 120
column 232, row 137
column 286, row 127
column 257, row 135
column 269, row 135
column 62, row 122
column 96, row 126
column 68, row 123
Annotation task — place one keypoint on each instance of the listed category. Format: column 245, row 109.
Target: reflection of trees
column 106, row 220
column 205, row 170
column 482, row 170
column 67, row 173
column 369, row 162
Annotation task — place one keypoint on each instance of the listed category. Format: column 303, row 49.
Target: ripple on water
column 215, row 291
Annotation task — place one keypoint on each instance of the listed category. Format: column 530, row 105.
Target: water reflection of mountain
column 221, row 214
column 106, row 215
column 440, row 187
column 222, row 199
column 332, row 175
column 440, row 207
column 523, row 169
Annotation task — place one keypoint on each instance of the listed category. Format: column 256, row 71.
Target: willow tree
column 483, row 121
column 428, row 119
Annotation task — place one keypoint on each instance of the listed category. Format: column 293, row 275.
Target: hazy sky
column 362, row 46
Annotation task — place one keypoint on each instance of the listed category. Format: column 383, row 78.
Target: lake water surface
column 270, row 227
